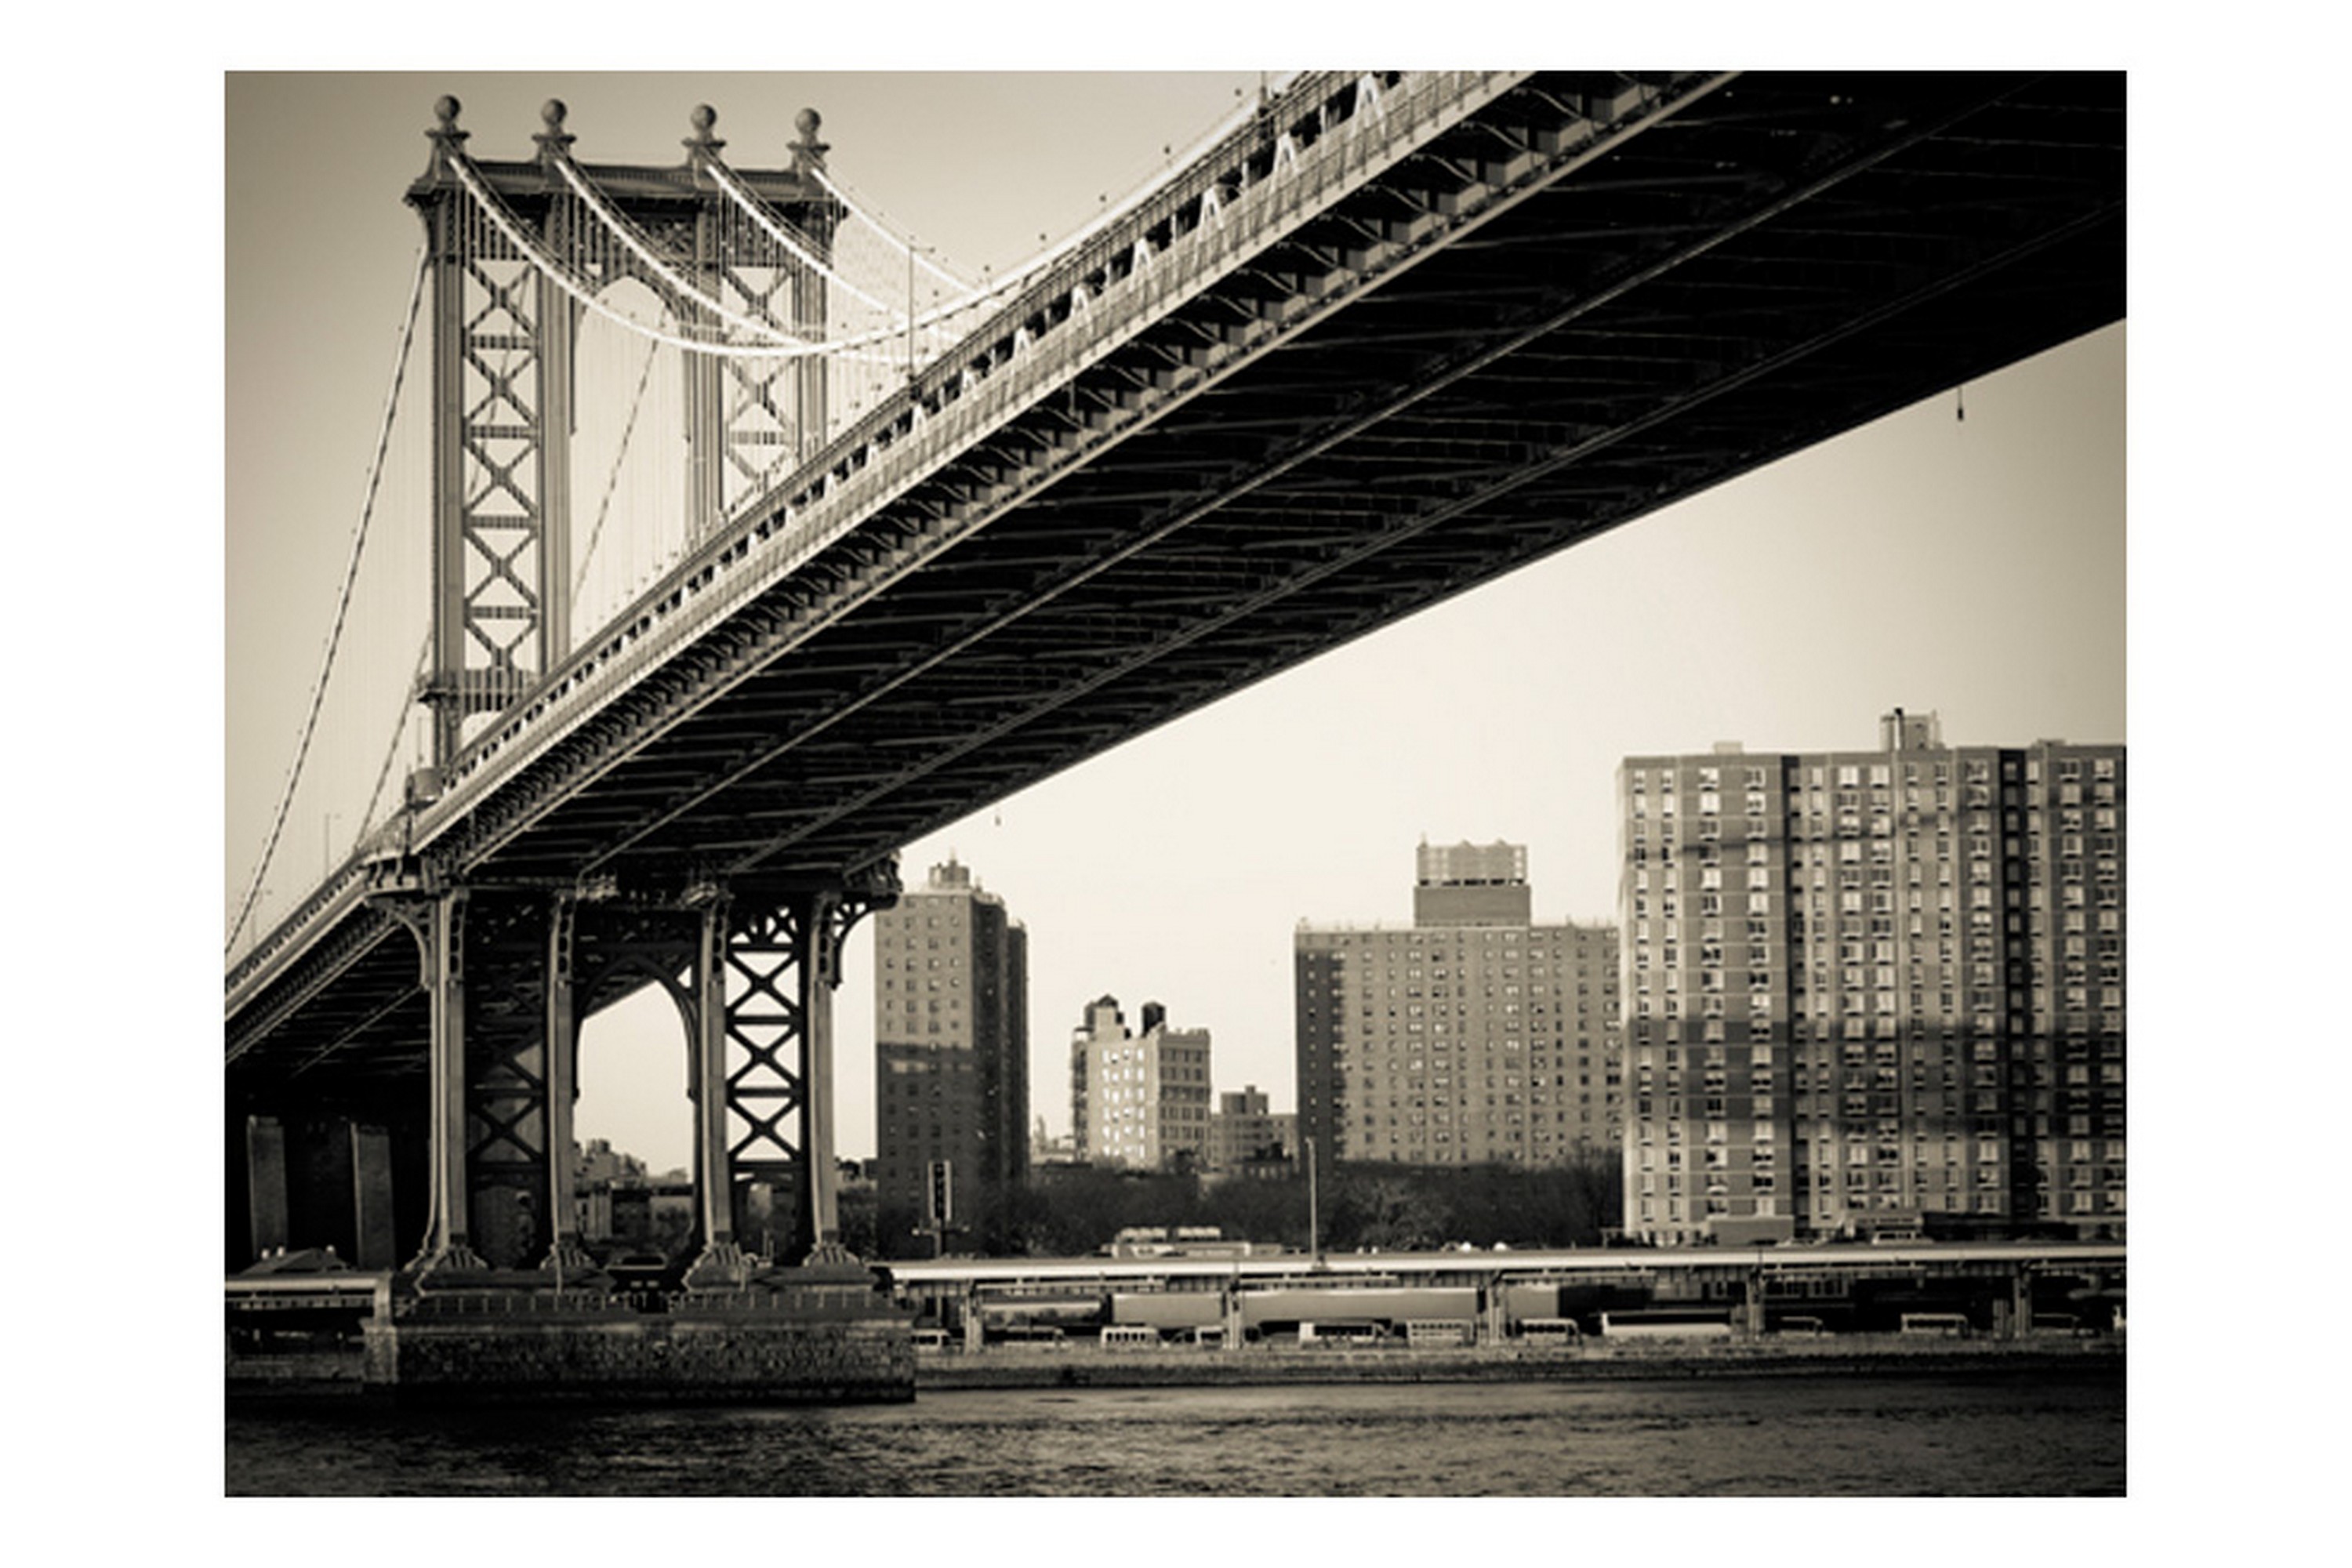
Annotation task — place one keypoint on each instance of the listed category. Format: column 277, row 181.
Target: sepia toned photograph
column 1182, row 784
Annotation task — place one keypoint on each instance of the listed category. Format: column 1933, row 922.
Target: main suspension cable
column 626, row 232
column 552, row 268
column 1043, row 260
column 549, row 267
column 342, row 604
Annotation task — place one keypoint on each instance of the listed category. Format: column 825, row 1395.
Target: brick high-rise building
column 1475, row 1034
column 951, row 1050
column 1140, row 1102
column 1874, row 990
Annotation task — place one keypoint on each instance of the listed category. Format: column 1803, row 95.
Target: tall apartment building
column 951, row 1048
column 1874, row 990
column 1244, row 1129
column 1140, row 1102
column 1477, row 1035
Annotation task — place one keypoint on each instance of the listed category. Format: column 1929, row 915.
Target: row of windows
column 1879, row 775
column 1462, row 940
column 1805, row 817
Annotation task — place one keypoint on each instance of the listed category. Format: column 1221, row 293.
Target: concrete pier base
column 773, row 1339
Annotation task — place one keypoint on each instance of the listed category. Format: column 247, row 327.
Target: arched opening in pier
column 634, row 1123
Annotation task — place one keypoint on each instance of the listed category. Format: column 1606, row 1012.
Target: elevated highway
column 2000, row 1287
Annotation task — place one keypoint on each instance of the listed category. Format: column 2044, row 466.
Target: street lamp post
column 1314, row 1211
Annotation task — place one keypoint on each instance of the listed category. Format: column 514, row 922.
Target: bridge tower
column 516, row 253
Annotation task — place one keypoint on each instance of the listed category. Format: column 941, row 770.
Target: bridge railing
column 1324, row 137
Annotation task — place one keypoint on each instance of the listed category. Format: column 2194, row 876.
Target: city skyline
column 1972, row 566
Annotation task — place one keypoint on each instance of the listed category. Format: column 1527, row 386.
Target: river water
column 1994, row 1433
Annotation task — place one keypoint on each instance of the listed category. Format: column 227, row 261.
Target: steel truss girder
column 960, row 751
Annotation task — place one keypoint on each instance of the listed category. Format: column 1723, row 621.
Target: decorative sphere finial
column 445, row 134
column 553, row 138
column 703, row 117
column 808, row 153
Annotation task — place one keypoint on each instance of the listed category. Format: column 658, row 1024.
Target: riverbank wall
column 810, row 1335
column 1593, row 1361
column 710, row 1358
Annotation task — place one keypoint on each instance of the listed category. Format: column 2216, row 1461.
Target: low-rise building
column 1246, row 1133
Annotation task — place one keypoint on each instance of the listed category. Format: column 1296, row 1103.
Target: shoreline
column 338, row 1376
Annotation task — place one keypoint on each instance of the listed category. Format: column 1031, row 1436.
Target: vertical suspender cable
column 399, row 733
column 613, row 481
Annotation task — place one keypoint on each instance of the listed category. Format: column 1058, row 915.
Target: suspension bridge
column 721, row 541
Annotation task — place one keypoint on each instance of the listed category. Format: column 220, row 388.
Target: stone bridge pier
column 313, row 1177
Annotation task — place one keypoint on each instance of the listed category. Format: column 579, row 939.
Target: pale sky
column 1972, row 567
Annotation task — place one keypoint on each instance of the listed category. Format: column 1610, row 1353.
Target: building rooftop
column 1469, row 865
column 1340, row 927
